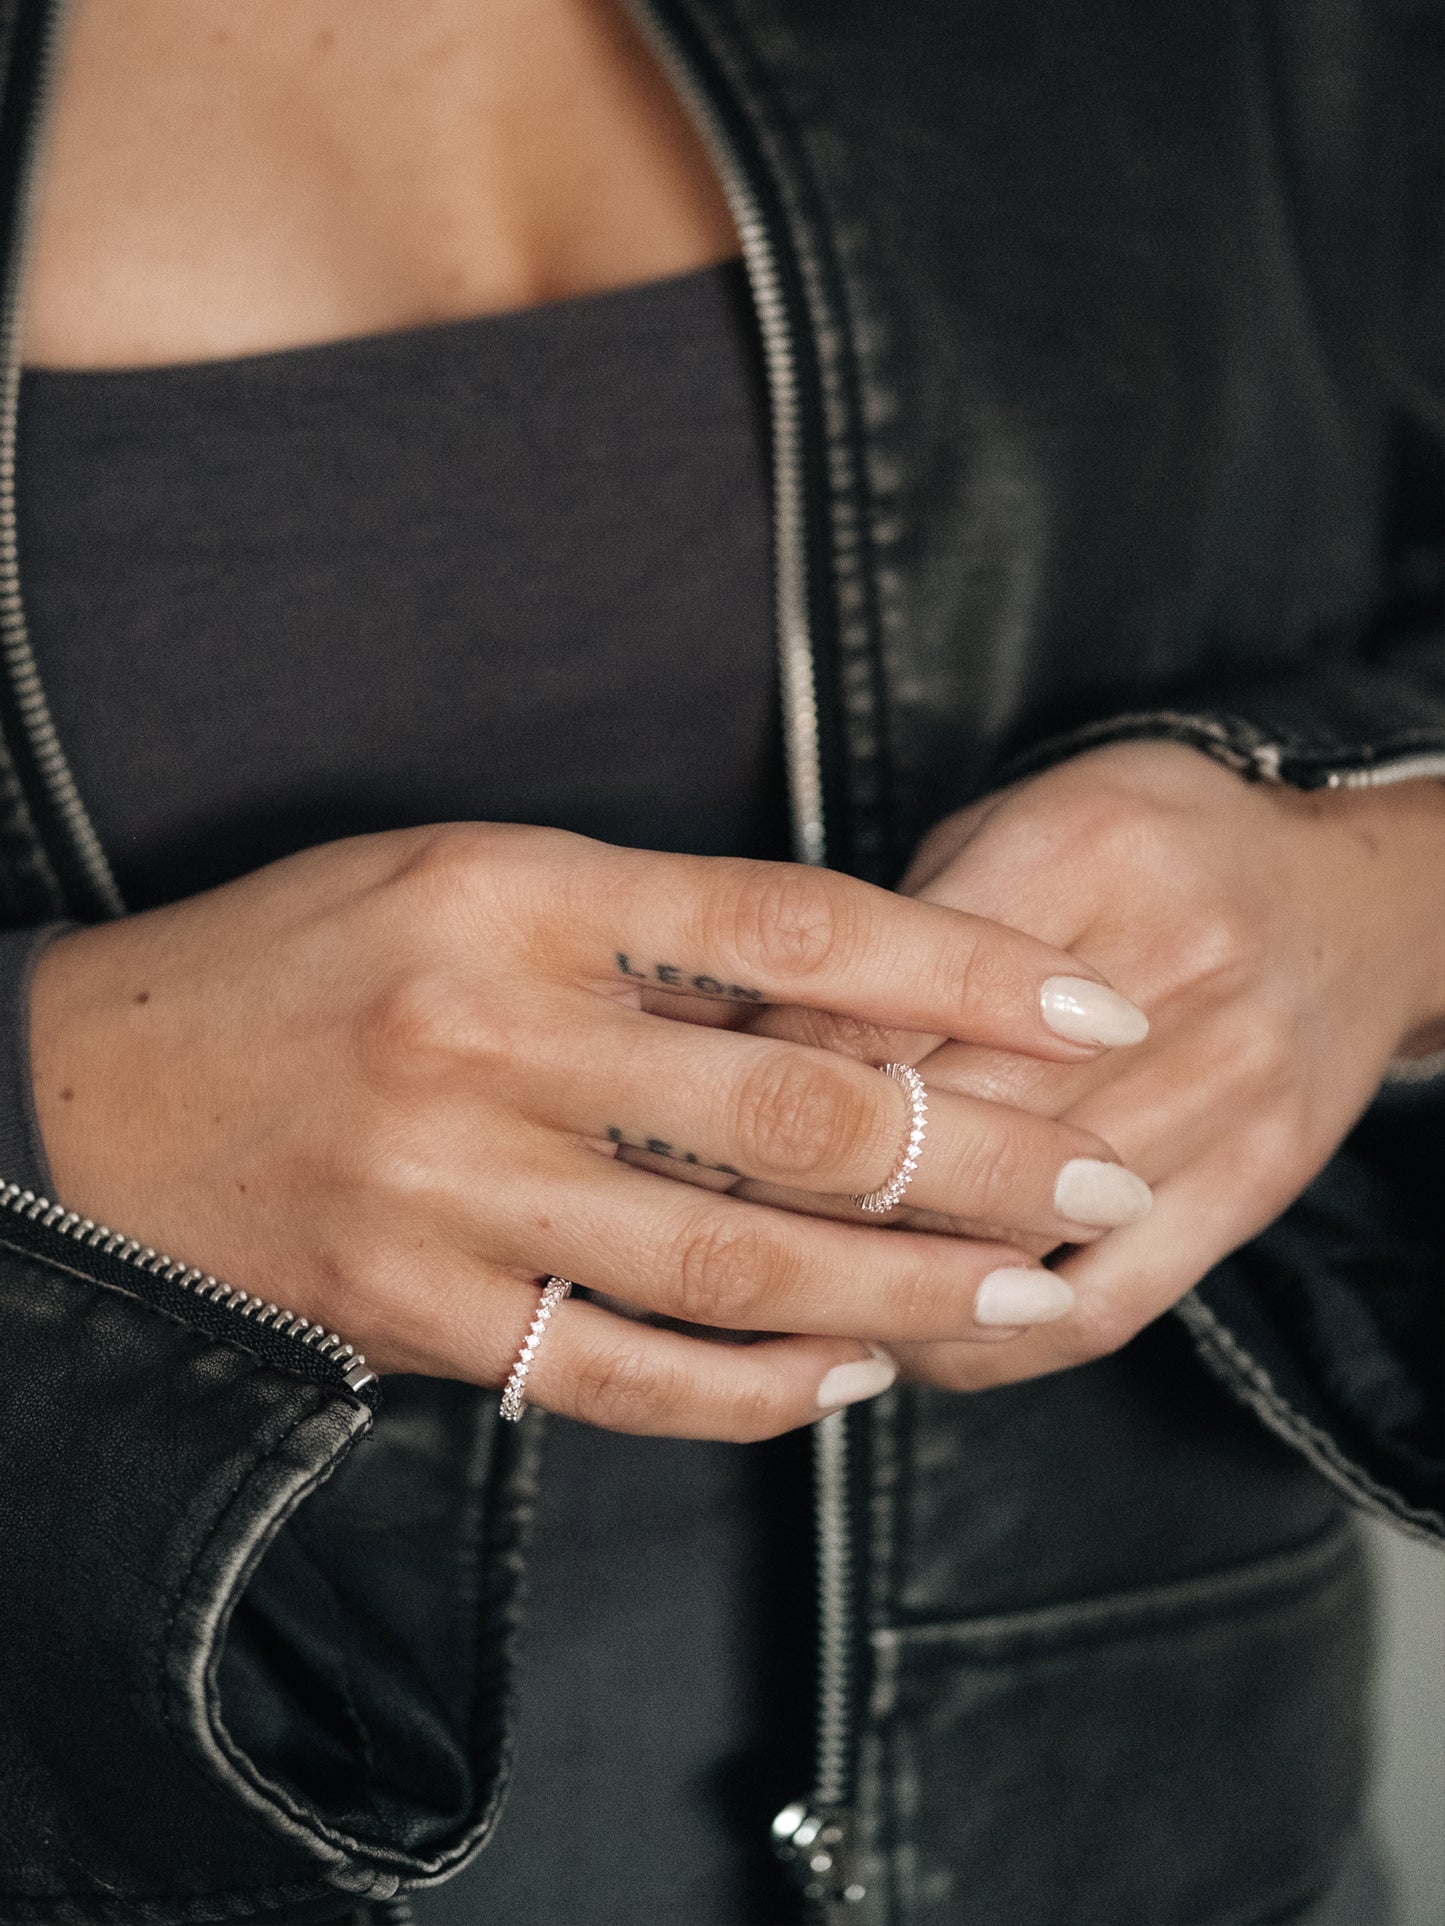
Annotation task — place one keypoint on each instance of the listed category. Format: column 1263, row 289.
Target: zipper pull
column 815, row 1843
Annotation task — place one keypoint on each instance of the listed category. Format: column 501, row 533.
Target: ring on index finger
column 879, row 1202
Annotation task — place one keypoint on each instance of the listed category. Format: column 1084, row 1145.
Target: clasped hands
column 392, row 1082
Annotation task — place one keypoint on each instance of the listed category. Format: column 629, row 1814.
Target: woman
column 388, row 457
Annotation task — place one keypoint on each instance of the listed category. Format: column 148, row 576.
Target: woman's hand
column 1286, row 948
column 384, row 1083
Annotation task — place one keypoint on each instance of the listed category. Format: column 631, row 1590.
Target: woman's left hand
column 1286, row 946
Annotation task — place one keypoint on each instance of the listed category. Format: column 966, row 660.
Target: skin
column 391, row 1082
column 376, row 1082
column 230, row 176
column 1287, row 948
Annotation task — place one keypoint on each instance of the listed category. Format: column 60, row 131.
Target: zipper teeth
column 1381, row 775
column 51, row 767
column 832, row 1524
column 833, row 1768
column 798, row 680
column 201, row 1284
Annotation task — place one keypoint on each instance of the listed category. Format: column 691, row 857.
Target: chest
column 221, row 180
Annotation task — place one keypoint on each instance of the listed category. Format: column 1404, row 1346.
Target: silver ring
column 881, row 1201
column 514, row 1399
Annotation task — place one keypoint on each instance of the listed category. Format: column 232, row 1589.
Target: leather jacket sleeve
column 315, row 1715
column 1329, row 1324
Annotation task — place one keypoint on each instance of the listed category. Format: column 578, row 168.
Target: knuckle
column 923, row 1301
column 794, row 1118
column 622, row 1390
column 1116, row 830
column 787, row 920
column 990, row 1171
column 725, row 1274
column 411, row 1023
column 441, row 861
column 977, row 972
column 1259, row 1057
column 1220, row 943
column 459, row 877
column 752, row 1413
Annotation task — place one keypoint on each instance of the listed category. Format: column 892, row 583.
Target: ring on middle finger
column 879, row 1202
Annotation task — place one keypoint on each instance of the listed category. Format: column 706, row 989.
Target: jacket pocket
column 255, row 1644
column 1186, row 1754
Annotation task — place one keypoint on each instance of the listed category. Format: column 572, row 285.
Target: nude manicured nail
column 1086, row 1012
column 851, row 1383
column 1089, row 1191
column 1021, row 1297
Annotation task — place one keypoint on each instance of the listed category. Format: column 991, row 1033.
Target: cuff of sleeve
column 1332, row 725
column 22, row 1151
column 1257, row 754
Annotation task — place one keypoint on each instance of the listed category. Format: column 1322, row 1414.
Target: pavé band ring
column 514, row 1398
column 880, row 1202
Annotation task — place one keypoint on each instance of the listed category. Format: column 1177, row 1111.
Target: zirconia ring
column 880, row 1202
column 514, row 1397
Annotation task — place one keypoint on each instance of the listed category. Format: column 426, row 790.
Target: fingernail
column 1089, row 1191
column 1086, row 1012
column 850, row 1383
column 1021, row 1297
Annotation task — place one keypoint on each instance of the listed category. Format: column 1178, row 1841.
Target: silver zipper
column 282, row 1334
column 813, row 1836
column 1379, row 775
column 52, row 771
column 797, row 676
column 200, row 1287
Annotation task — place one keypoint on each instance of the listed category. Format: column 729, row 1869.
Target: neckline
column 615, row 306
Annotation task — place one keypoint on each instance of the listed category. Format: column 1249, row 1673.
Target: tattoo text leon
column 673, row 978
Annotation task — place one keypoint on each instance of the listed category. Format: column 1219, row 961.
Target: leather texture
column 1120, row 415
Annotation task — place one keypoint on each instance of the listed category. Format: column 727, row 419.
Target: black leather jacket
column 1100, row 355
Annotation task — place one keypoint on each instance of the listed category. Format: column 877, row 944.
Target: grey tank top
column 517, row 569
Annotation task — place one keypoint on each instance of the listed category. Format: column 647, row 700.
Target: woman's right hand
column 383, row 1082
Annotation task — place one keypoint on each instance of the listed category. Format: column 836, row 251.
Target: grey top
column 517, row 569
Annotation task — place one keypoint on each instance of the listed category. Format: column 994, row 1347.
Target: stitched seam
column 166, row 1640
column 1253, row 1384
column 305, row 1816
column 391, row 1859
column 510, row 1487
column 1255, row 1586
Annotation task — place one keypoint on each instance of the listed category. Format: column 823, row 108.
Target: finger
column 627, row 1376
column 721, row 1262
column 850, row 1036
column 1056, row 1089
column 967, row 1069
column 1120, row 1284
column 746, row 1107
column 782, row 933
column 1208, row 1208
